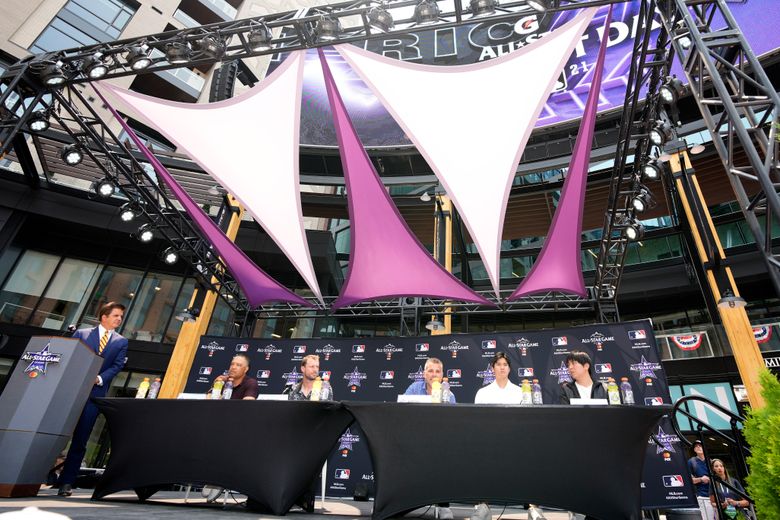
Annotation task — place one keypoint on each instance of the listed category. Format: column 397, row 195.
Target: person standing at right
column 700, row 474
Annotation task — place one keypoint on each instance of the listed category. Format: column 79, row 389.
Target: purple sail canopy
column 386, row 259
column 559, row 267
column 258, row 287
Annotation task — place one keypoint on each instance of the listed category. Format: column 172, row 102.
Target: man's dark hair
column 581, row 358
column 500, row 355
column 106, row 309
column 246, row 358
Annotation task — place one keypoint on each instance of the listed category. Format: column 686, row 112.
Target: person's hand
column 97, row 380
column 222, row 378
column 705, row 479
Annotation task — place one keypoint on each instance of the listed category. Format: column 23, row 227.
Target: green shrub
column 762, row 431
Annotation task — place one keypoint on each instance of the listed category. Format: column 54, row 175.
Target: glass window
column 174, row 326
column 730, row 235
column 25, row 285
column 221, row 323
column 6, row 365
column 115, row 284
column 152, row 308
column 67, row 294
column 632, row 254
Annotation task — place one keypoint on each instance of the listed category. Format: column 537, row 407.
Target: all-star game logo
column 388, row 350
column 646, row 369
column 293, row 377
column 664, row 444
column 268, row 350
column 487, row 375
column 354, row 378
column 327, row 350
column 523, row 345
column 39, row 361
column 598, row 339
column 453, row 347
column 347, row 442
column 212, row 347
column 417, row 376
column 561, row 373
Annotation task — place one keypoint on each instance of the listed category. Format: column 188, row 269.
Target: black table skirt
column 583, row 459
column 268, row 450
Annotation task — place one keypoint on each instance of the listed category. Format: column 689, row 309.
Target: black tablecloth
column 269, row 450
column 584, row 459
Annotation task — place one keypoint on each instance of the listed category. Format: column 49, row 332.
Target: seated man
column 579, row 366
column 434, row 369
column 243, row 387
column 310, row 370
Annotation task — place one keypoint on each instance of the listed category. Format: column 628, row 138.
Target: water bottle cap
column 536, row 380
column 624, row 379
column 444, row 380
column 146, row 379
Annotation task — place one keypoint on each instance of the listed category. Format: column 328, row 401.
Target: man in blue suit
column 112, row 347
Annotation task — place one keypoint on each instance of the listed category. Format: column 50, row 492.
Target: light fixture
column 72, row 154
column 634, row 230
column 188, row 315
column 652, row 170
column 672, row 90
column 138, row 57
column 539, row 5
column 52, row 74
column 729, row 301
column 328, row 28
column 660, row 133
column 641, row 200
column 94, row 66
column 426, row 12
column 425, row 197
column 434, row 324
column 145, row 233
column 177, row 53
column 380, row 18
column 210, row 46
column 104, row 187
column 697, row 149
column 214, row 190
column 39, row 121
column 483, row 7
column 685, row 42
column 259, row 38
column 170, row 256
column 129, row 211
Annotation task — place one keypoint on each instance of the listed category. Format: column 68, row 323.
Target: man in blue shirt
column 434, row 369
column 700, row 474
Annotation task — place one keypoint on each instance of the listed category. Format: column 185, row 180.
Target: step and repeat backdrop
column 379, row 369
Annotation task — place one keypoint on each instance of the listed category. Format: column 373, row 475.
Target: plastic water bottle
column 436, row 391
column 142, row 389
column 228, row 391
column 613, row 394
column 625, row 389
column 316, row 389
column 536, row 393
column 446, row 393
column 216, row 390
column 154, row 389
column 525, row 388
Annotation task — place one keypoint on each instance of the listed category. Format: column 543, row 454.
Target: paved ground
column 170, row 505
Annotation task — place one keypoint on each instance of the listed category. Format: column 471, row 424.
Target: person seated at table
column 583, row 386
column 500, row 391
column 434, row 369
column 243, row 387
column 310, row 370
column 732, row 504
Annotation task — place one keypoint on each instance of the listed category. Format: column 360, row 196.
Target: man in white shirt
column 501, row 390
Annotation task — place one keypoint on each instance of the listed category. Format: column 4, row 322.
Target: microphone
column 287, row 389
column 70, row 330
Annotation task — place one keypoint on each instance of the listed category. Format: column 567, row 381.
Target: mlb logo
column 489, row 344
column 560, row 342
column 325, row 375
column 205, row 371
column 604, row 368
column 673, row 481
column 263, row 374
column 525, row 372
column 654, row 401
column 342, row 474
column 242, row 347
column 358, row 349
column 299, row 349
column 637, row 334
column 386, row 375
column 453, row 373
column 422, row 347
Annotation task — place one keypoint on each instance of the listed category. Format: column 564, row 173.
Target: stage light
column 145, row 233
column 328, row 28
column 210, row 46
column 177, row 53
column 685, row 42
column 94, row 66
column 138, row 57
column 103, row 187
column 170, row 256
column 188, row 315
column 72, row 154
column 652, row 170
column 641, row 200
column 215, row 190
column 660, row 133
column 483, row 7
column 426, row 12
column 425, row 197
column 634, row 230
column 539, row 5
column 39, row 121
column 52, row 74
column 672, row 90
column 129, row 211
column 259, row 38
column 380, row 19
column 434, row 324
column 729, row 301
column 697, row 149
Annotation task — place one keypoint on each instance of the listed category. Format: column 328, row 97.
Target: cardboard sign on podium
column 39, row 408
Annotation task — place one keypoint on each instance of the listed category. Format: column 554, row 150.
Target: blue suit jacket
column 114, row 356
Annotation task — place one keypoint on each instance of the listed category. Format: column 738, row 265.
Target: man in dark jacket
column 583, row 386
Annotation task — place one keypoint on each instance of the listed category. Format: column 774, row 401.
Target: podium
column 39, row 408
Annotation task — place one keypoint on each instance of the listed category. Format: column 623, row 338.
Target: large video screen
column 485, row 40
